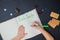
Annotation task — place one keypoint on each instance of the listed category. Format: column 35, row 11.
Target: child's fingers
column 25, row 34
column 35, row 24
column 21, row 29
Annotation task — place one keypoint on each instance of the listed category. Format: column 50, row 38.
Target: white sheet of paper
column 9, row 28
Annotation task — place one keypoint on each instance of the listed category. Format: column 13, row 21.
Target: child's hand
column 36, row 25
column 21, row 33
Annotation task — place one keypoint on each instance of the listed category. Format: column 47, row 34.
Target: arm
column 45, row 33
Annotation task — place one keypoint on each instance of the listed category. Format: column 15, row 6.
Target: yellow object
column 54, row 15
column 53, row 23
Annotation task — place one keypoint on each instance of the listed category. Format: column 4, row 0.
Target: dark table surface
column 44, row 6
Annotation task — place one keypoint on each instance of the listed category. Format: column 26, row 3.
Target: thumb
column 25, row 34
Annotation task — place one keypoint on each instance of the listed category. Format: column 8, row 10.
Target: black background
column 25, row 5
